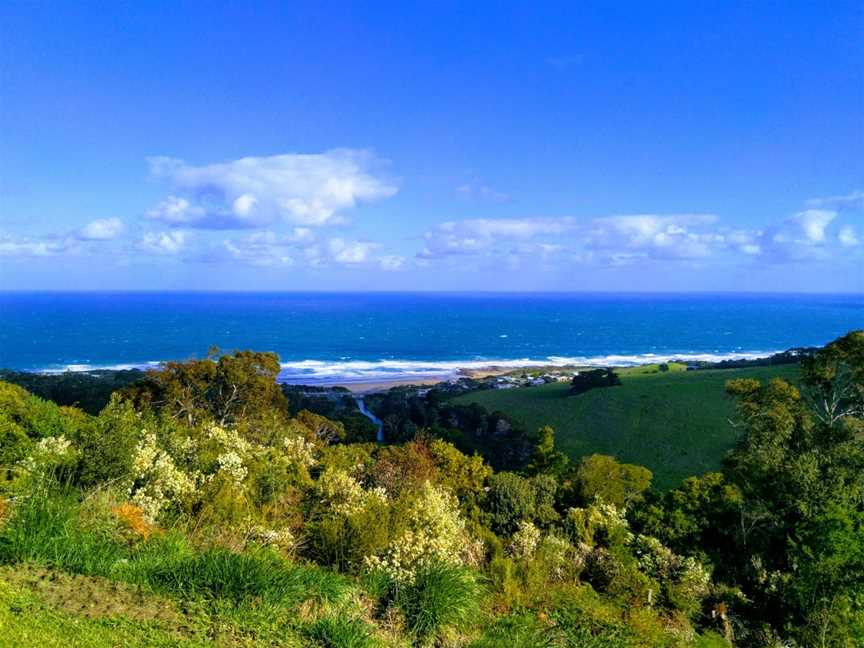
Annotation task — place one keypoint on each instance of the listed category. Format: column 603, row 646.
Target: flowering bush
column 158, row 482
column 525, row 541
column 49, row 456
column 433, row 531
column 598, row 523
column 299, row 451
column 563, row 560
column 343, row 494
column 281, row 539
column 685, row 581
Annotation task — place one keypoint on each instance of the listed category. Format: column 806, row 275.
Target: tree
column 510, row 500
column 593, row 378
column 546, row 459
column 700, row 517
column 238, row 389
column 616, row 483
column 828, row 555
column 801, row 479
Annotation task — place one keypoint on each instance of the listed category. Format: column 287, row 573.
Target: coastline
column 364, row 388
column 369, row 376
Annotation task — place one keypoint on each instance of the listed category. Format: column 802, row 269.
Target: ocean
column 324, row 338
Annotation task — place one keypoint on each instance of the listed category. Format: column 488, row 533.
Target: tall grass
column 339, row 632
column 441, row 597
column 168, row 564
column 517, row 631
column 44, row 529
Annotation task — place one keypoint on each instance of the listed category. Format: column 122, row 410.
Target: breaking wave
column 323, row 372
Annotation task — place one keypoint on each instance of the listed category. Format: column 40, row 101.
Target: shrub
column 431, row 530
column 598, row 523
column 463, row 475
column 14, row 442
column 132, row 519
column 108, row 445
column 406, row 467
column 583, row 619
column 344, row 540
column 40, row 418
column 510, row 500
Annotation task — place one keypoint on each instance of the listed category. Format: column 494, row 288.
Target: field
column 676, row 423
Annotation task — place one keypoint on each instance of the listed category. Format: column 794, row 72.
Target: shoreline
column 362, row 377
column 365, row 388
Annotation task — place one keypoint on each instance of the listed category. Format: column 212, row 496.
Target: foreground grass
column 675, row 423
column 42, row 607
column 64, row 583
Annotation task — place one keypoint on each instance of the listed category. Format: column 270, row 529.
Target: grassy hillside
column 676, row 423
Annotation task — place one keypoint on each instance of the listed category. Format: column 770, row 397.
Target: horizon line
column 204, row 291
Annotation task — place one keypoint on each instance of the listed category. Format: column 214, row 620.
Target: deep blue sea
column 329, row 337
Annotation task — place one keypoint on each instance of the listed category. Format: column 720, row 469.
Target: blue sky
column 457, row 146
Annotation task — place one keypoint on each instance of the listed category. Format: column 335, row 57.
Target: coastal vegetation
column 201, row 506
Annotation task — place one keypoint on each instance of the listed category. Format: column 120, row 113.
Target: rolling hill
column 676, row 423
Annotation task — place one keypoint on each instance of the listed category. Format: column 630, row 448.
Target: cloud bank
column 254, row 192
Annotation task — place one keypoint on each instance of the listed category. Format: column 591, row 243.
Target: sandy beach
column 372, row 387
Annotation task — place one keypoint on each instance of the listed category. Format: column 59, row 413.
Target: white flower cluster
column 158, row 481
column 229, row 439
column 435, row 532
column 299, row 451
column 49, row 452
column 281, row 539
column 344, row 494
column 231, row 464
column 524, row 542
column 658, row 561
column 234, row 451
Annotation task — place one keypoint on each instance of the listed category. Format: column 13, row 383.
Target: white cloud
column 651, row 235
column 177, row 211
column 391, row 262
column 813, row 223
column 301, row 247
column 851, row 201
column 616, row 239
column 477, row 190
column 11, row 246
column 350, row 253
column 103, row 229
column 163, row 243
column 480, row 235
column 799, row 237
column 268, row 248
column 848, row 237
column 254, row 192
column 258, row 253
column 626, row 239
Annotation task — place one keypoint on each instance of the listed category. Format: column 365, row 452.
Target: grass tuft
column 441, row 597
column 44, row 529
column 337, row 632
